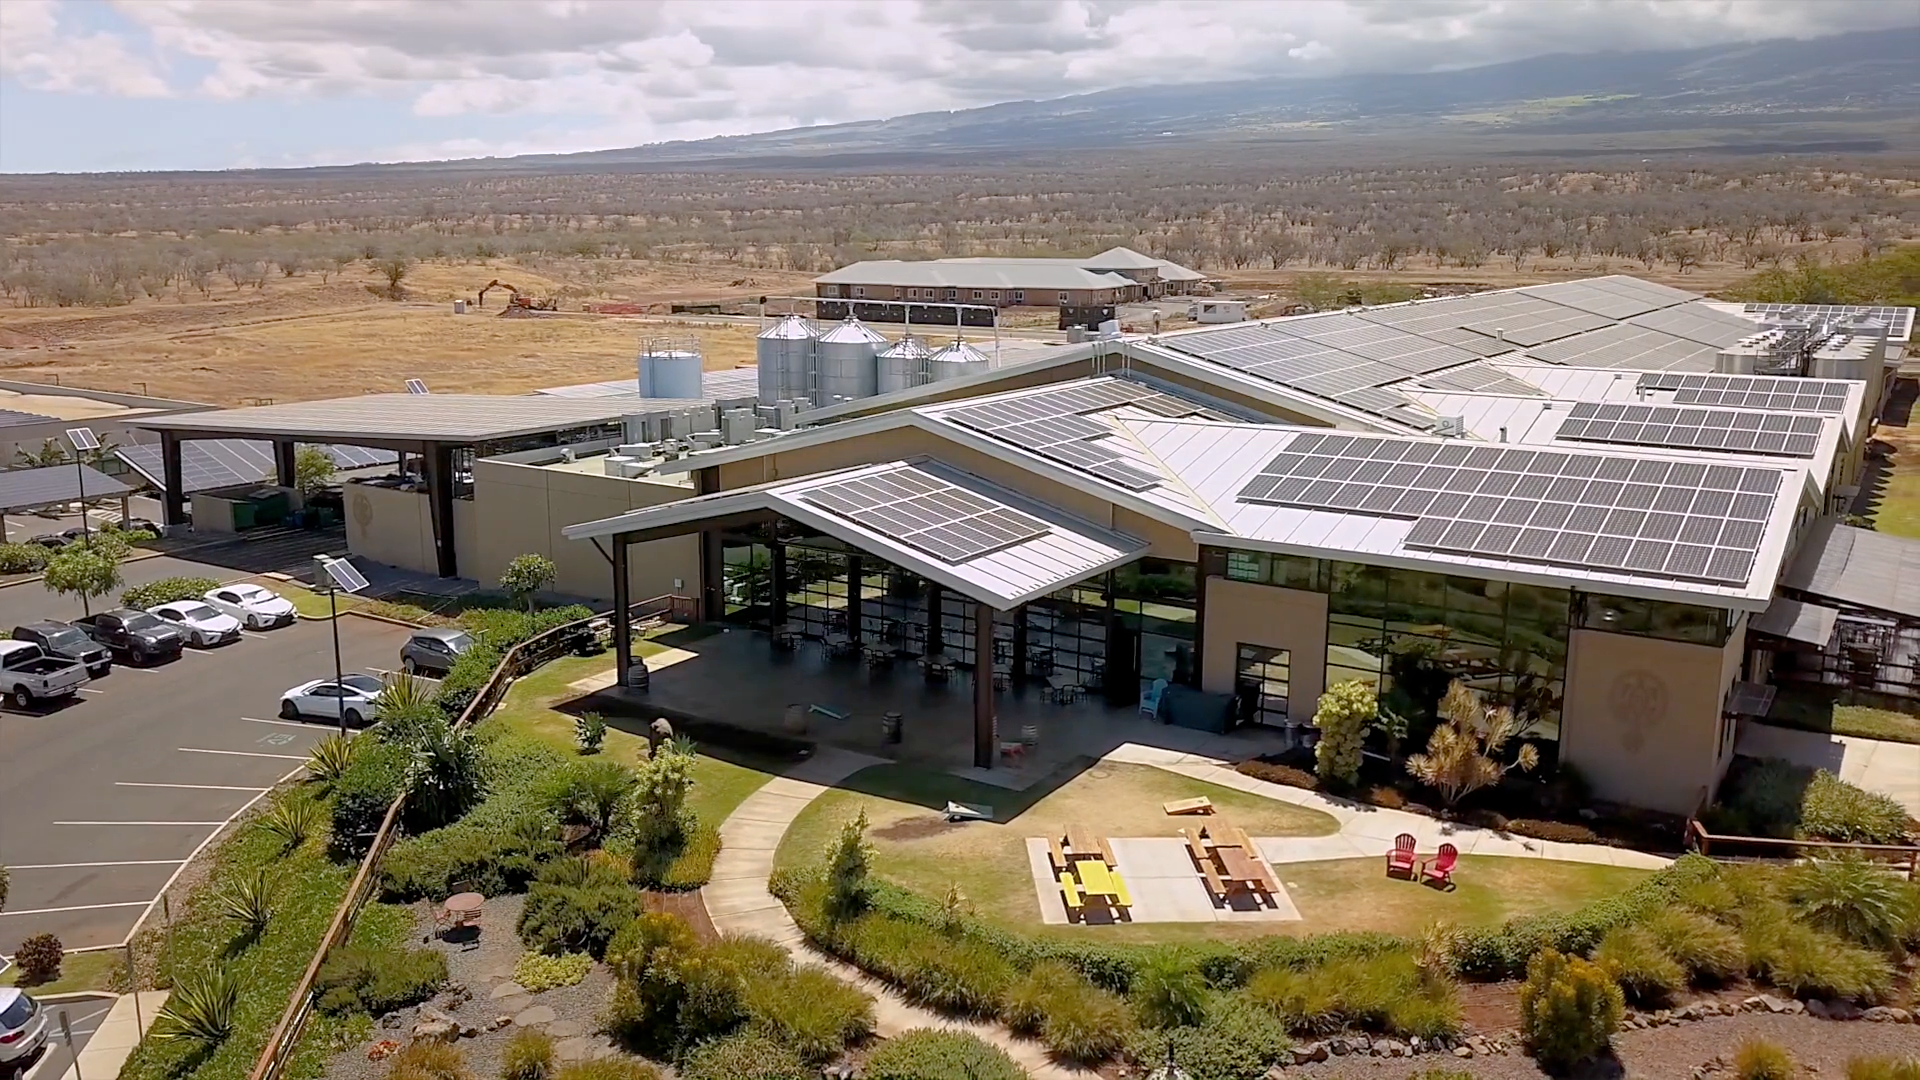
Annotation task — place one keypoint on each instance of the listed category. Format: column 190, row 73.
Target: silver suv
column 432, row 650
column 23, row 1029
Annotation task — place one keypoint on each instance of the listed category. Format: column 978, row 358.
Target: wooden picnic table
column 1241, row 868
column 1083, row 843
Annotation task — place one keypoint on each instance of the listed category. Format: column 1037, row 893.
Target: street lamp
column 336, row 575
column 84, row 443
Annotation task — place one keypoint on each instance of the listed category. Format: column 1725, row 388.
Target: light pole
column 335, row 575
column 84, row 442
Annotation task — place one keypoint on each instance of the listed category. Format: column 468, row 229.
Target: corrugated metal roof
column 398, row 418
column 1796, row 620
column 944, row 274
column 1859, row 567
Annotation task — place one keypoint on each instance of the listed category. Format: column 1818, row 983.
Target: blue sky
column 87, row 85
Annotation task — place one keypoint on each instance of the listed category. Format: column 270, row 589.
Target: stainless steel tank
column 846, row 362
column 784, row 352
column 955, row 361
column 670, row 370
column 903, row 365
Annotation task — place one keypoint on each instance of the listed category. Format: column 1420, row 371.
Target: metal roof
column 211, row 464
column 1796, row 620
column 16, row 418
column 968, row 274
column 31, row 489
column 1859, row 567
column 399, row 418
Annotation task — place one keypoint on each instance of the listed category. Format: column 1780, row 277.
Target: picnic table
column 787, row 635
column 938, row 667
column 838, row 644
column 878, row 654
column 1082, row 843
column 1231, row 850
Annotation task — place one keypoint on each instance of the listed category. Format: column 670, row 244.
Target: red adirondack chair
column 1400, row 859
column 1440, row 868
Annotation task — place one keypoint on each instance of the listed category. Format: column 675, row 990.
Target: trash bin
column 638, row 677
column 890, row 728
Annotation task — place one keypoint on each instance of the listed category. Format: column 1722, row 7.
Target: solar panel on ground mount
column 926, row 513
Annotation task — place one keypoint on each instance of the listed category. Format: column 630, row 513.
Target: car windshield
column 194, row 611
column 365, row 684
column 143, row 621
column 68, row 639
column 17, row 1012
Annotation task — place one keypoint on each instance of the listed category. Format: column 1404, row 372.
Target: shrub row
column 1385, row 992
column 578, row 905
column 503, row 628
column 22, row 558
column 167, row 590
column 1775, row 798
column 499, row 844
column 378, row 981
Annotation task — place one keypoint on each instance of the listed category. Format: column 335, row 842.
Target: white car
column 23, row 1028
column 356, row 697
column 201, row 625
column 255, row 606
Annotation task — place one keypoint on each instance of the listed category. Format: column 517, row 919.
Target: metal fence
column 1902, row 858
column 525, row 657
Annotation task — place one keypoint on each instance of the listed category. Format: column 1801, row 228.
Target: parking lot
column 104, row 798
column 84, row 1015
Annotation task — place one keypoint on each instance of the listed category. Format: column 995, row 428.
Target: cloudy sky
column 203, row 84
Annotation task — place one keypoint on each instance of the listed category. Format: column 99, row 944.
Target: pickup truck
column 29, row 675
column 138, row 636
column 67, row 643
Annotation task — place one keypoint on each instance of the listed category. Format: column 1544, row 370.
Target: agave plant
column 201, row 1008
column 589, row 732
column 329, row 758
column 248, row 900
column 595, row 795
column 292, row 819
column 407, row 708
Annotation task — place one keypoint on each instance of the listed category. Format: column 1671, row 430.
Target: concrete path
column 738, row 902
column 1890, row 768
column 110, row 1045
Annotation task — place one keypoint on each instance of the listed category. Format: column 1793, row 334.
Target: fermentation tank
column 846, row 358
column 669, row 370
column 903, row 365
column 784, row 352
column 955, row 361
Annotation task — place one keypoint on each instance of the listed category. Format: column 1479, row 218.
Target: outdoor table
column 461, row 907
column 1240, row 867
column 877, row 655
column 787, row 635
column 937, row 666
column 1082, row 843
column 838, row 644
column 1095, row 879
column 1219, row 834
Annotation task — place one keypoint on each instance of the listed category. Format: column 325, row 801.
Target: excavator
column 516, row 298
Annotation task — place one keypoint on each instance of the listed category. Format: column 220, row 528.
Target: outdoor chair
column 1150, row 701
column 1400, row 860
column 1439, row 869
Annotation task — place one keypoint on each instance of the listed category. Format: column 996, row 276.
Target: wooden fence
column 527, row 656
column 1902, row 857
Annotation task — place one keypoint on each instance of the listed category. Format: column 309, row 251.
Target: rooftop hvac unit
column 1450, row 427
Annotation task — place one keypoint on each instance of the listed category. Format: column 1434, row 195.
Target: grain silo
column 845, row 358
column 903, row 365
column 670, row 369
column 785, row 353
column 956, row 361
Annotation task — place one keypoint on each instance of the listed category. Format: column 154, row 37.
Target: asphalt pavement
column 84, row 1015
column 103, row 798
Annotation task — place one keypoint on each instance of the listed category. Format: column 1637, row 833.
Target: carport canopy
column 51, row 485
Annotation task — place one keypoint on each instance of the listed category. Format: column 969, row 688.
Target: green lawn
column 1356, row 894
column 308, row 603
column 915, row 847
column 78, row 971
column 1810, row 710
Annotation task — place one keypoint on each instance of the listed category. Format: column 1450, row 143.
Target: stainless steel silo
column 903, row 365
column 846, row 360
column 956, row 361
column 785, row 353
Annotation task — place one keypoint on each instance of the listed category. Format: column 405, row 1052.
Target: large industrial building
column 1085, row 290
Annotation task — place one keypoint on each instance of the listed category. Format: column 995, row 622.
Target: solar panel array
column 1612, row 297
column 1627, row 346
column 209, row 464
column 926, row 513
column 16, row 418
column 1674, row 519
column 1697, row 322
column 1056, row 425
column 1898, row 320
column 1693, row 429
column 1751, row 391
column 1480, row 378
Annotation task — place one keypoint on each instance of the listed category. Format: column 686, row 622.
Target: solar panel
column 1692, row 429
column 16, row 418
column 1751, row 391
column 210, row 464
column 1898, row 320
column 1750, row 699
column 927, row 513
column 1056, row 425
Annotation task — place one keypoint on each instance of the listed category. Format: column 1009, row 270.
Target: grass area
column 1810, row 710
column 78, row 971
column 380, row 926
column 914, row 846
column 309, row 604
column 1355, row 894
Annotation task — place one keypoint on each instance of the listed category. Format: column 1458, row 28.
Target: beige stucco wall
column 391, row 526
column 1239, row 612
column 1641, row 719
column 522, row 508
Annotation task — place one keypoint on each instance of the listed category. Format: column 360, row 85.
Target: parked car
column 28, row 675
column 354, row 697
column 140, row 524
column 68, row 642
column 50, row 541
column 256, row 606
column 24, row 1028
column 203, row 626
column 139, row 637
column 431, row 650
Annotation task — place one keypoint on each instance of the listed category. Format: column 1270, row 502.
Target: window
column 953, row 294
column 1018, row 296
column 1260, row 680
column 976, row 294
column 994, row 295
column 1652, row 618
column 859, row 292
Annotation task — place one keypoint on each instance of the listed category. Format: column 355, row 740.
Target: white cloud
column 583, row 74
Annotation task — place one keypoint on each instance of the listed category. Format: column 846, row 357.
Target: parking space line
column 282, row 723
column 188, row 787
column 89, row 690
column 183, row 823
column 76, row 907
column 91, row 865
column 241, row 753
column 200, row 847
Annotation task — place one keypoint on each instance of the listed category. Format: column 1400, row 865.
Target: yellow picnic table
column 1096, row 880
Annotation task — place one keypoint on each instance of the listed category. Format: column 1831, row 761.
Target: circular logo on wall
column 362, row 509
column 1639, row 700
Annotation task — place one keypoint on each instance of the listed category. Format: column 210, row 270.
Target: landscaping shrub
column 807, row 1009
column 1852, row 898
column 291, row 821
column 1569, row 1008
column 1503, row 952
column 1646, row 974
column 528, row 1055
column 1077, row 1020
column 1836, row 810
column 328, row 760
column 503, row 628
column 1386, row 992
column 1807, row 962
column 1342, row 715
column 1758, row 1059
column 613, row 1068
column 167, row 590
column 496, row 860
column 589, row 732
column 1275, row 773
column 372, row 780
column 951, row 973
column 1770, row 797
column 745, row 1056
column 1706, row 949
column 38, row 959
column 577, row 905
column 200, row 1010
column 1239, row 1040
column 1883, row 1068
column 929, row 1054
column 378, row 981
column 1169, row 992
column 1560, row 831
column 1305, row 1001
column 691, row 865
column 537, row 972
column 468, row 673
column 429, row 1059
column 22, row 558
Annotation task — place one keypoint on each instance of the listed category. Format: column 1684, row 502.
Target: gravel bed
column 569, row 1013
column 1663, row 1053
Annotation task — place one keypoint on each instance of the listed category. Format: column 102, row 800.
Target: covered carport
column 443, row 432
column 23, row 491
column 997, row 549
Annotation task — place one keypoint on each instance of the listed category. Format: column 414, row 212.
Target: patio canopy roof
column 1859, row 567
column 1796, row 620
column 980, row 540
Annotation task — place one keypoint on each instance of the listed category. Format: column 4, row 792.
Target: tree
column 1463, row 752
column 395, row 270
column 87, row 568
column 659, row 802
column 51, row 452
column 847, row 864
column 525, row 575
column 3, row 888
column 312, row 470
column 1342, row 716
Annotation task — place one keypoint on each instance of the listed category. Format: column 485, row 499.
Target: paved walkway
column 108, row 1048
column 1890, row 768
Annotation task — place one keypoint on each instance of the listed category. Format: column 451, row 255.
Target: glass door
column 1261, row 678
